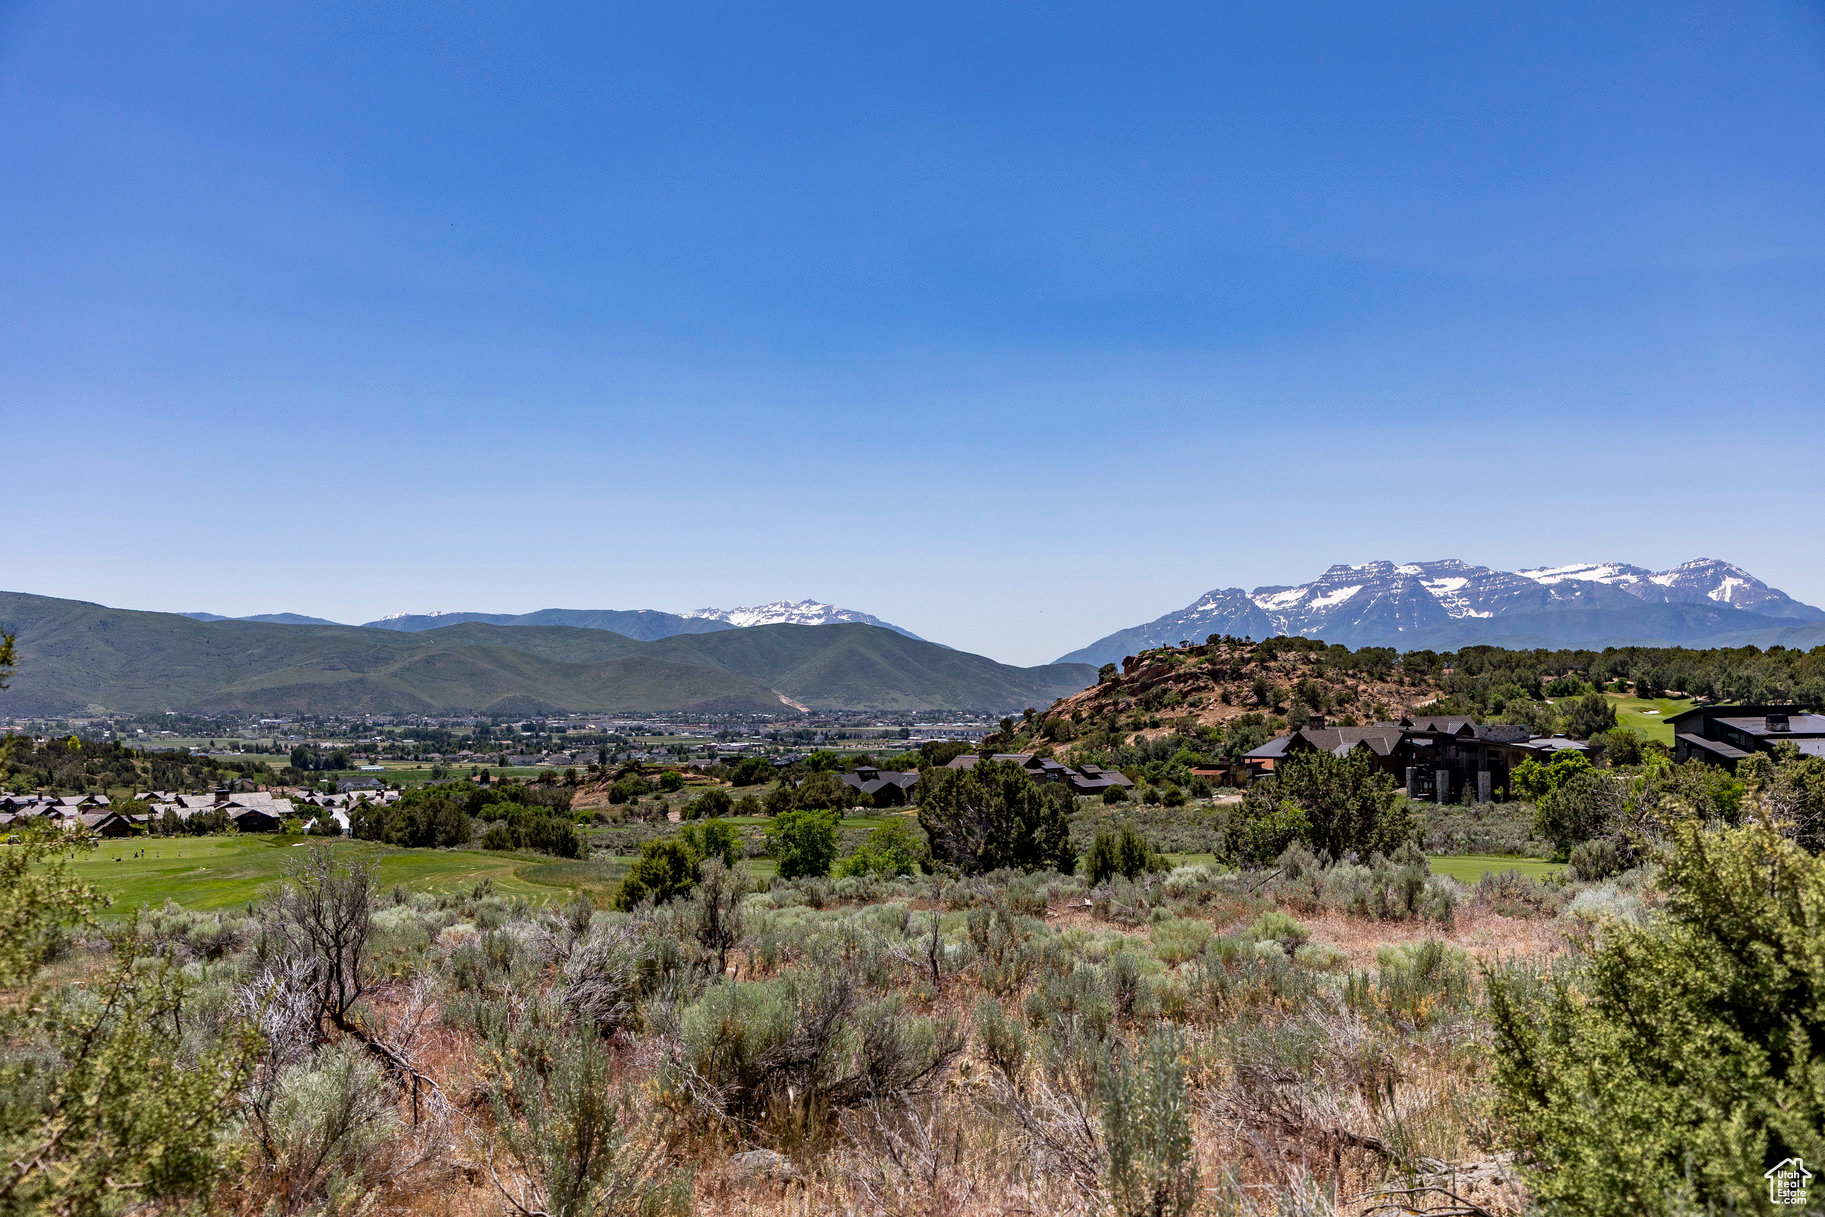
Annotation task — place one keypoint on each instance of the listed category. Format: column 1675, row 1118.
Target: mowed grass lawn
column 1648, row 716
column 1468, row 868
column 207, row 873
column 225, row 872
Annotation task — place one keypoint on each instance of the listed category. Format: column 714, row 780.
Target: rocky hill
column 1208, row 685
column 1448, row 604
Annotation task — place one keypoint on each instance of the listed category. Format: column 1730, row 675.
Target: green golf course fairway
column 224, row 872
column 1468, row 868
column 206, row 873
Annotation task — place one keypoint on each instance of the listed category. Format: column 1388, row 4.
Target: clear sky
column 1012, row 324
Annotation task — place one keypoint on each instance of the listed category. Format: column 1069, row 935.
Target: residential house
column 1724, row 735
column 887, row 787
column 1094, row 780
column 1083, row 779
column 1435, row 758
column 107, row 824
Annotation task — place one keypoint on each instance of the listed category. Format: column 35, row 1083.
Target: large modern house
column 887, row 787
column 1724, row 735
column 1082, row 779
column 1434, row 758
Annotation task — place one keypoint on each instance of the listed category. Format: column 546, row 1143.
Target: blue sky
column 1012, row 324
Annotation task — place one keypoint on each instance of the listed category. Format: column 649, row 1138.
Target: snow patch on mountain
column 1727, row 589
column 789, row 612
column 1268, row 599
column 1331, row 598
column 1614, row 573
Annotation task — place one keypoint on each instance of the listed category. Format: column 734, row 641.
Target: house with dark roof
column 1094, row 779
column 1435, row 758
column 254, row 819
column 1083, row 779
column 1724, row 735
column 106, row 824
column 887, row 787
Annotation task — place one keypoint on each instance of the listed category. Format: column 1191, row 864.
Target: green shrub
column 790, row 1053
column 1002, row 1040
column 1257, row 831
column 892, row 849
column 665, row 870
column 713, row 802
column 803, row 842
column 328, row 1127
column 1419, row 982
column 564, row 1128
column 1399, row 888
column 994, row 816
column 1533, row 780
column 1681, row 1060
column 1122, row 853
column 1321, row 957
column 1584, row 805
column 1180, row 939
column 1348, row 803
column 1006, row 951
column 1598, row 859
column 1276, row 927
column 1146, row 1124
column 713, row 839
column 534, row 828
column 628, row 788
column 1073, row 1005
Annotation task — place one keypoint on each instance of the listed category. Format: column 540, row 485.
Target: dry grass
column 1302, row 1101
column 1485, row 935
column 1333, row 1136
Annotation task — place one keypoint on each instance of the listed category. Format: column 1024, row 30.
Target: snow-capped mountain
column 1449, row 603
column 787, row 612
column 647, row 625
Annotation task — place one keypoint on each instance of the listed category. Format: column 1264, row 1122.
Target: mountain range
column 75, row 657
column 647, row 625
column 1449, row 604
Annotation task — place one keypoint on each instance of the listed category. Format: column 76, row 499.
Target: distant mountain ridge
column 75, row 657
column 650, row 624
column 1450, row 603
column 268, row 618
column 646, row 625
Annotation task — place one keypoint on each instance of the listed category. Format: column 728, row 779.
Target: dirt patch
column 1485, row 935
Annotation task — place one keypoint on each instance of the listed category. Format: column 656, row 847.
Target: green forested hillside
column 866, row 666
column 76, row 657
